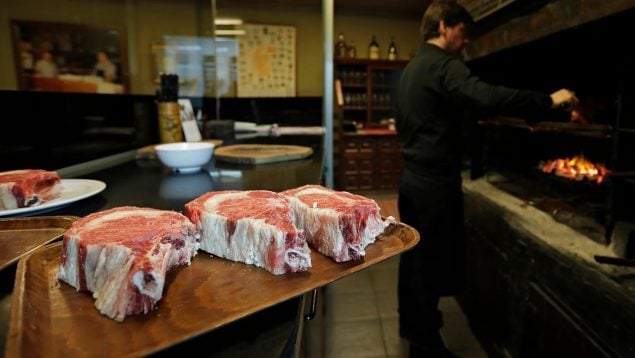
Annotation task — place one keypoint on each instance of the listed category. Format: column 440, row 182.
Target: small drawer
column 358, row 182
column 389, row 146
column 387, row 181
column 367, row 144
column 361, row 166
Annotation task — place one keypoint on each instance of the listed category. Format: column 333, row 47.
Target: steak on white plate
column 254, row 226
column 27, row 187
column 122, row 255
column 338, row 224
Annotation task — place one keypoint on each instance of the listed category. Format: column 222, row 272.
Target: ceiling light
column 228, row 21
column 229, row 32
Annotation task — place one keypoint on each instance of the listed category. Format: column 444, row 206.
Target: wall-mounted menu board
column 482, row 8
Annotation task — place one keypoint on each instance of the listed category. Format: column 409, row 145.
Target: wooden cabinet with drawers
column 367, row 153
column 368, row 161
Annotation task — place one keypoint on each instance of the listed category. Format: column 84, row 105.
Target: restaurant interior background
column 544, row 45
column 77, row 116
column 177, row 36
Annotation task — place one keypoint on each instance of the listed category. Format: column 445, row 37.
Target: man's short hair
column 452, row 14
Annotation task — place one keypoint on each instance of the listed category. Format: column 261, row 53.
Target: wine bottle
column 373, row 49
column 340, row 46
column 392, row 49
column 352, row 51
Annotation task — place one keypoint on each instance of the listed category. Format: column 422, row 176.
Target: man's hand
column 564, row 99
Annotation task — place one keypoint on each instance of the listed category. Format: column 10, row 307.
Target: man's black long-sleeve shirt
column 435, row 90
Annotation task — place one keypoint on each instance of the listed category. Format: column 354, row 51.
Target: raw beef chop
column 336, row 223
column 122, row 255
column 27, row 187
column 255, row 227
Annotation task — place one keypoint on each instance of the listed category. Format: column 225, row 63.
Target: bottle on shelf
column 340, row 46
column 392, row 49
column 373, row 49
column 381, row 78
column 352, row 51
column 170, row 129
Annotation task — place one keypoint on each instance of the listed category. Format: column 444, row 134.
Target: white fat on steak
column 122, row 255
column 338, row 224
column 255, row 227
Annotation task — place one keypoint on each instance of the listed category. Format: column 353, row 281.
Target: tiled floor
column 361, row 316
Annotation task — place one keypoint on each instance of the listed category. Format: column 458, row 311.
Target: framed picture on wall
column 65, row 57
column 266, row 62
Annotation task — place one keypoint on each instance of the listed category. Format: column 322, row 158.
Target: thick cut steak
column 255, row 227
column 338, row 224
column 122, row 255
column 27, row 187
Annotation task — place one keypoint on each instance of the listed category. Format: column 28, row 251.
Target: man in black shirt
column 435, row 90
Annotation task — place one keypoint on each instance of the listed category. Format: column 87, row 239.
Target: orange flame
column 577, row 168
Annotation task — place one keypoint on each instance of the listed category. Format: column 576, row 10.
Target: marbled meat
column 338, row 224
column 255, row 227
column 122, row 255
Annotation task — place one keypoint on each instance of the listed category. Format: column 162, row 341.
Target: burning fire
column 576, row 168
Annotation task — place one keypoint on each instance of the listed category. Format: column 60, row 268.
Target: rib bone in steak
column 255, row 227
column 122, row 255
column 336, row 223
column 27, row 187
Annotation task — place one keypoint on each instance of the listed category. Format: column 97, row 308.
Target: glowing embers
column 577, row 168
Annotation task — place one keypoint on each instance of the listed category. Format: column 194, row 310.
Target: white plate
column 72, row 190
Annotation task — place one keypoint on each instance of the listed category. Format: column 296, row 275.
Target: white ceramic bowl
column 185, row 157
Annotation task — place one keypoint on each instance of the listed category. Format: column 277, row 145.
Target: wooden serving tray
column 20, row 236
column 261, row 153
column 50, row 318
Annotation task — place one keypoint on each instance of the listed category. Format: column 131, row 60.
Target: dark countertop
column 147, row 183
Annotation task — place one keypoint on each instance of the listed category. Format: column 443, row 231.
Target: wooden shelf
column 353, row 85
column 359, row 78
column 382, row 86
column 370, row 158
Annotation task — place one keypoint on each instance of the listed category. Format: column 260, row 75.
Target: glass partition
column 85, row 74
column 122, row 46
column 277, row 45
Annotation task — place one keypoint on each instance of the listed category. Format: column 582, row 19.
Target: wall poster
column 266, row 61
column 68, row 57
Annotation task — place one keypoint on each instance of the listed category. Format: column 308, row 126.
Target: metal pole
column 214, row 54
column 327, row 99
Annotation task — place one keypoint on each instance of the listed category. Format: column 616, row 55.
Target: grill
column 509, row 153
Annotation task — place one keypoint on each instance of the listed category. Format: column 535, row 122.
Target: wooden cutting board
column 261, row 153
